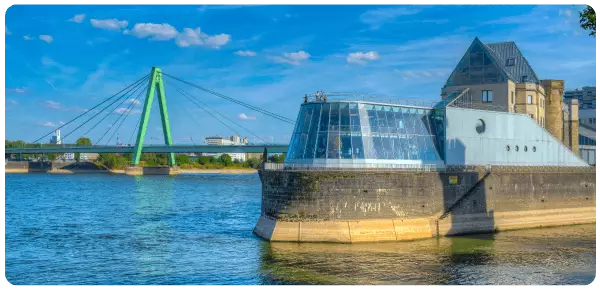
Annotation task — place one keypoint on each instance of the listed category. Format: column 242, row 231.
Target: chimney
column 554, row 106
column 572, row 125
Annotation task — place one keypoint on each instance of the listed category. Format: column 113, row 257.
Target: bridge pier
column 145, row 171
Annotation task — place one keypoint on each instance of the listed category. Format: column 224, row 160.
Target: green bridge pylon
column 156, row 82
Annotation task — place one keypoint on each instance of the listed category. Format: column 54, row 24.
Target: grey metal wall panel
column 466, row 146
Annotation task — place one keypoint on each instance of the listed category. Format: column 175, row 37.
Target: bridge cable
column 225, row 117
column 126, row 113
column 74, row 119
column 209, row 113
column 123, row 98
column 273, row 115
column 188, row 96
column 137, row 85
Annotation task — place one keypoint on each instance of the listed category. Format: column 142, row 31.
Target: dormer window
column 510, row 61
column 524, row 78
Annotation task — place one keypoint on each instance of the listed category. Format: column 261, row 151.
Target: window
column 531, row 115
column 512, row 96
column 542, row 101
column 525, row 148
column 516, row 148
column 487, row 96
column 529, row 99
column 510, row 61
column 524, row 78
column 533, row 149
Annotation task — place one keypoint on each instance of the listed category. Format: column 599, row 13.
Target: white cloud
column 123, row 110
column 52, row 104
column 109, row 24
column 6, row 31
column 293, row 58
column 48, row 124
column 26, row 37
column 134, row 101
column 46, row 38
column 245, row 53
column 49, row 62
column 17, row 90
column 13, row 102
column 421, row 74
column 77, row 18
column 566, row 12
column 378, row 17
column 154, row 31
column 362, row 57
column 243, row 116
column 195, row 37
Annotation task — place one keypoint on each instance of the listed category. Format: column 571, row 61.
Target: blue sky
column 61, row 60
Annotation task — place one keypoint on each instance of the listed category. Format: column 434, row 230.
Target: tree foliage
column 226, row 160
column 277, row 158
column 182, row 159
column 114, row 161
column 82, row 141
column 587, row 20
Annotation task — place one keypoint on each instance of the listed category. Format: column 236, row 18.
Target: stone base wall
column 345, row 206
column 145, row 171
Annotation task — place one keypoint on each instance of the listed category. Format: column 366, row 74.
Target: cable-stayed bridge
column 151, row 86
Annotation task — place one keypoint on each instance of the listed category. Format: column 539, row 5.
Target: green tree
column 226, row 160
column 182, row 159
column 203, row 160
column 82, row 141
column 587, row 20
column 253, row 163
column 277, row 158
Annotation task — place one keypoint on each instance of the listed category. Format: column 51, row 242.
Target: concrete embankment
column 84, row 167
column 370, row 206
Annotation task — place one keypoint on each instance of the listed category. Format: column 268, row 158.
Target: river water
column 112, row 229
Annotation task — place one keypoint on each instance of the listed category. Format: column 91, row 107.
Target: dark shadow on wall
column 464, row 195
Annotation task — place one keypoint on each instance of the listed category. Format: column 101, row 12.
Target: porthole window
column 533, row 148
column 525, row 148
column 507, row 148
column 480, row 126
column 516, row 148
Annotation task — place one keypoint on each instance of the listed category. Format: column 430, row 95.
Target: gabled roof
column 506, row 50
column 499, row 54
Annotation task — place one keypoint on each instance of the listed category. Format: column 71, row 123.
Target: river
column 197, row 229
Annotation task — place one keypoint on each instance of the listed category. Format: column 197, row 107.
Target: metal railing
column 365, row 167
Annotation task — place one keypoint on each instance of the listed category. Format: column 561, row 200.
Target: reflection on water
column 562, row 255
column 98, row 229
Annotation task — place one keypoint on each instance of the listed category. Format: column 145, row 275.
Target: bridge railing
column 366, row 167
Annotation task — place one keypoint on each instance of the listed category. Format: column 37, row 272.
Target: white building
column 55, row 139
column 221, row 141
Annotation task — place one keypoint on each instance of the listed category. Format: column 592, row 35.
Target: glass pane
column 309, row 152
column 357, row 147
column 372, row 118
column 334, row 145
column 344, row 117
column 324, row 126
column 334, row 118
column 321, row 145
column 346, row 146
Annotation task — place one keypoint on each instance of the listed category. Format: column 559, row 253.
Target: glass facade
column 364, row 131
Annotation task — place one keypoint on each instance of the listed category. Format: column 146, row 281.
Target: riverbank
column 108, row 171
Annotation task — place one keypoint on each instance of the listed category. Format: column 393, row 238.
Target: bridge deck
column 276, row 148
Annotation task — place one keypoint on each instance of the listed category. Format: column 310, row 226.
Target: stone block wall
column 338, row 195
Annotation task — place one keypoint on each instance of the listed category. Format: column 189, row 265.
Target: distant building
column 55, row 139
column 88, row 156
column 585, row 95
column 69, row 156
column 233, row 140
